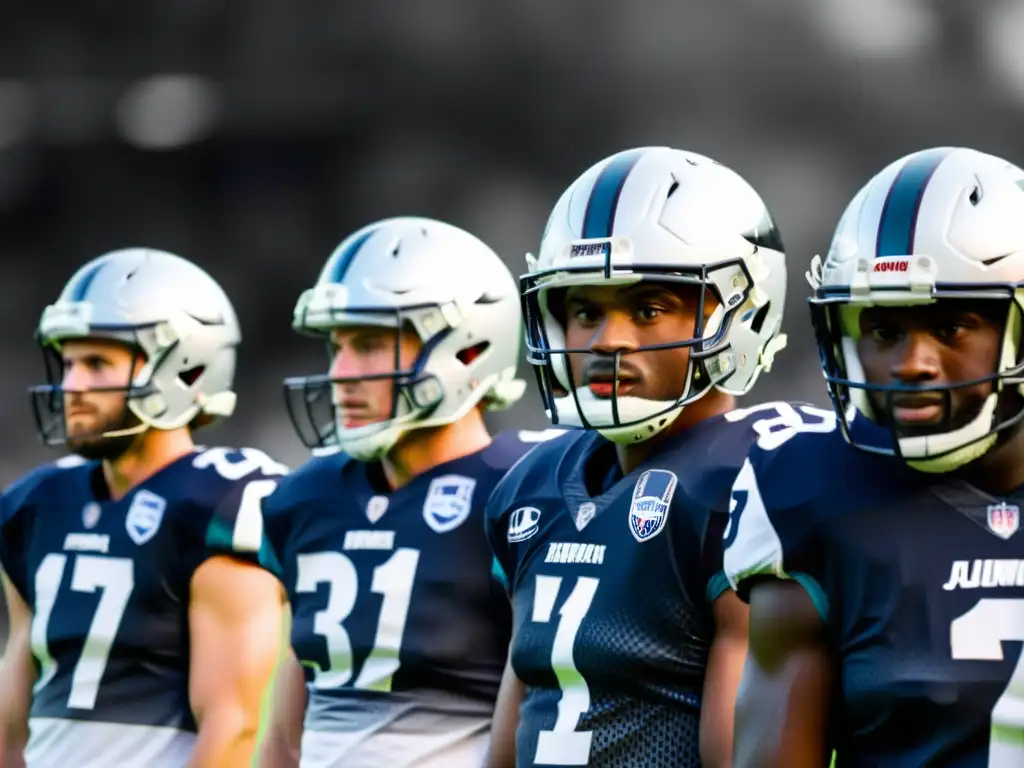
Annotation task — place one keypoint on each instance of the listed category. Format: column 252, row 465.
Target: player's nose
column 345, row 365
column 915, row 358
column 616, row 333
column 75, row 379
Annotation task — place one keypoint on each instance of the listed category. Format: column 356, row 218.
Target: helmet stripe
column 81, row 286
column 343, row 261
column 898, row 222
column 599, row 218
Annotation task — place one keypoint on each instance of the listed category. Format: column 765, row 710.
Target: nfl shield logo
column 376, row 507
column 652, row 497
column 449, row 501
column 1003, row 519
column 144, row 516
column 91, row 514
column 585, row 514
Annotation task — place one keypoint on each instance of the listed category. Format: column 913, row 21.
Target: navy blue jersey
column 108, row 585
column 612, row 580
column 920, row 581
column 397, row 616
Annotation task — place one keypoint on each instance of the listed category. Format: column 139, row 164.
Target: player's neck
column 713, row 404
column 1001, row 470
column 421, row 450
column 152, row 451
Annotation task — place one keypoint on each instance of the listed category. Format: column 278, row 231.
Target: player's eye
column 368, row 344
column 649, row 312
column 949, row 332
column 585, row 315
column 884, row 334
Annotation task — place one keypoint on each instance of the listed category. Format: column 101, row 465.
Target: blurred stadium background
column 251, row 136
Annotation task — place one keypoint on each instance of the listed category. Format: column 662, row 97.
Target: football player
column 397, row 617
column 881, row 556
column 656, row 298
column 142, row 603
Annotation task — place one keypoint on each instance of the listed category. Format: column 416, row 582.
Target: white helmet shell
column 659, row 214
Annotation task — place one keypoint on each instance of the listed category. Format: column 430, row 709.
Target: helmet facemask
column 629, row 419
column 956, row 440
column 416, row 390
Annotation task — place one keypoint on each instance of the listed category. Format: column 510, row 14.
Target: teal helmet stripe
column 79, row 288
column 898, row 222
column 343, row 260
column 599, row 218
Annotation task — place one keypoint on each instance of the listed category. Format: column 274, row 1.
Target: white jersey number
column 783, row 422
column 563, row 744
column 393, row 580
column 251, row 461
column 114, row 578
column 978, row 635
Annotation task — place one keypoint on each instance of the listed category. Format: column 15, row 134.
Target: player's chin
column 99, row 447
column 88, row 447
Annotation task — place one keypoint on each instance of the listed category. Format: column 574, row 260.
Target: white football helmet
column 171, row 313
column 670, row 216
column 942, row 223
column 448, row 286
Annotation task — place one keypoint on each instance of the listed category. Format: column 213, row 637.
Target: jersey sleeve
column 13, row 544
column 232, row 523
column 501, row 563
column 18, row 505
column 771, row 531
column 236, row 528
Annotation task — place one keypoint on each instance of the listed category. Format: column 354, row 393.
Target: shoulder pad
column 39, row 480
column 305, row 482
column 532, row 468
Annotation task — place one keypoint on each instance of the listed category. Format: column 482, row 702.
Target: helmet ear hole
column 191, row 376
column 762, row 314
column 468, row 355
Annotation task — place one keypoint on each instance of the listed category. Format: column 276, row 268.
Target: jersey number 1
column 563, row 744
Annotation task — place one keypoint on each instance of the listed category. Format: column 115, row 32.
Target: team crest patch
column 376, row 507
column 91, row 514
column 523, row 523
column 585, row 514
column 1003, row 519
column 144, row 516
column 652, row 497
column 449, row 501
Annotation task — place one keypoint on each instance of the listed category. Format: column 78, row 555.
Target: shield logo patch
column 91, row 513
column 144, row 516
column 652, row 497
column 1003, row 519
column 449, row 502
column 376, row 507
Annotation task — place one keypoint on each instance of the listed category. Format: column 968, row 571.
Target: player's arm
column 17, row 674
column 722, row 678
column 502, row 750
column 782, row 705
column 773, row 560
column 235, row 614
column 282, row 742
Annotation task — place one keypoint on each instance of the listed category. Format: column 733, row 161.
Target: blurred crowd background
column 252, row 136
